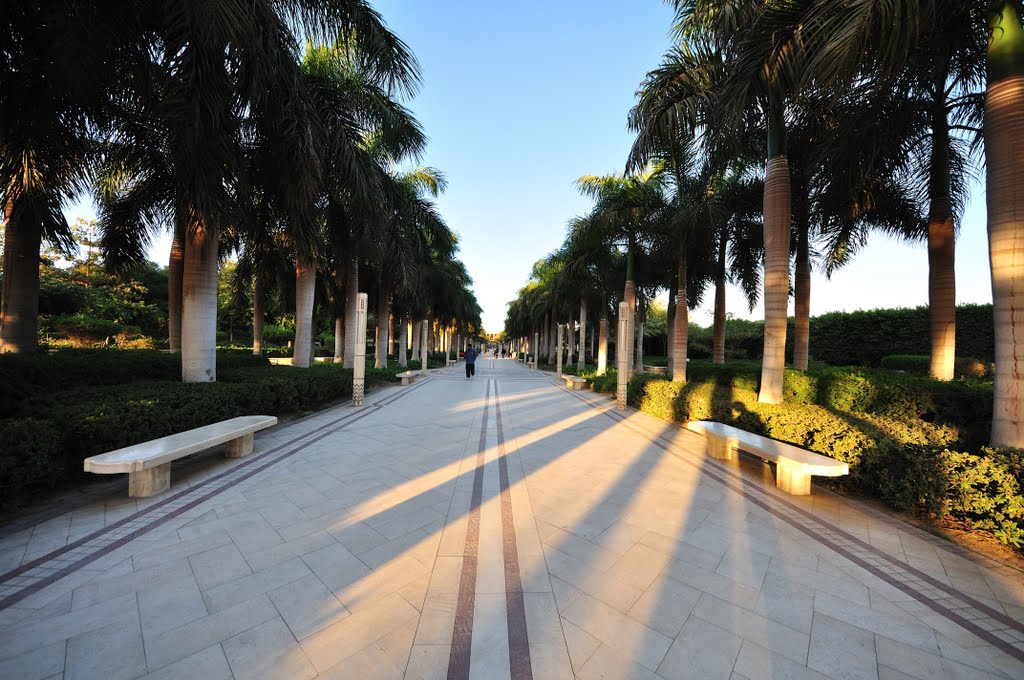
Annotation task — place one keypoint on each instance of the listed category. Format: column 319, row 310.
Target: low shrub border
column 915, row 443
column 51, row 429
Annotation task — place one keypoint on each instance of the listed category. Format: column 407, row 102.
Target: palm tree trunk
column 383, row 324
column 258, row 316
column 581, row 364
column 339, row 314
column 1004, row 197
column 339, row 339
column 19, row 306
column 553, row 348
column 175, row 266
column 680, row 326
column 602, row 340
column 802, row 308
column 416, row 332
column 351, row 293
column 403, row 341
column 778, row 214
column 199, row 305
column 941, row 242
column 305, row 290
column 718, row 348
column 571, row 340
column 670, row 314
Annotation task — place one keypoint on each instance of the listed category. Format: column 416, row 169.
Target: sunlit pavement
column 496, row 527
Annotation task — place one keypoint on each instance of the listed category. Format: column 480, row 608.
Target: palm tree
column 624, row 216
column 168, row 63
column 366, row 129
column 724, row 79
column 839, row 40
column 56, row 95
column 1004, row 156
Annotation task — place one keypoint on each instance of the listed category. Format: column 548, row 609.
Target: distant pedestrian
column 470, row 363
column 490, row 356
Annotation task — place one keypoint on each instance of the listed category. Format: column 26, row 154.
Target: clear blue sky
column 520, row 99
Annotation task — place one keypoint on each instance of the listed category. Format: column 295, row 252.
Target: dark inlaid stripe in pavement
column 330, row 428
column 462, row 630
column 515, row 608
column 793, row 513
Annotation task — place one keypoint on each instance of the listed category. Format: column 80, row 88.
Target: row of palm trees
column 787, row 132
column 212, row 117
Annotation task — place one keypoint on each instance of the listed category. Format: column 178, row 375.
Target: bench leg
column 239, row 448
column 791, row 478
column 720, row 448
column 405, row 381
column 146, row 483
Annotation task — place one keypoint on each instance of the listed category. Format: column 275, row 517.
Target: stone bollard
column 558, row 352
column 622, row 356
column 359, row 363
column 423, row 348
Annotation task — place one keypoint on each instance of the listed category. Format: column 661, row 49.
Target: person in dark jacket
column 470, row 363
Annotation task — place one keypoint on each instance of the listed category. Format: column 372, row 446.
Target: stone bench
column 407, row 378
column 574, row 382
column 794, row 466
column 149, row 464
column 452, row 362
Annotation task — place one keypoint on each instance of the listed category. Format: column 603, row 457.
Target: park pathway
column 500, row 527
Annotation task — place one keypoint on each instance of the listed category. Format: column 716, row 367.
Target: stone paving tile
column 633, row 639
column 247, row 587
column 178, row 643
column 428, row 662
column 637, row 559
column 701, row 650
column 114, row 652
column 841, row 650
column 307, row 605
column 207, row 664
column 267, row 651
column 34, row 664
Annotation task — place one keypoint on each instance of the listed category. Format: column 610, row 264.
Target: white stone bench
column 574, row 382
column 794, row 466
column 149, row 464
column 407, row 378
column 452, row 362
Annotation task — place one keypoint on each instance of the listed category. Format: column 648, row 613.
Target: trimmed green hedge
column 859, row 338
column 915, row 443
column 863, row 338
column 920, row 364
column 57, row 423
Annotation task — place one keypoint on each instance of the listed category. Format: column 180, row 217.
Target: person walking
column 490, row 356
column 470, row 362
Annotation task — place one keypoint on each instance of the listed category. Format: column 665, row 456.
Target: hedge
column 913, row 442
column 859, row 338
column 58, row 425
column 24, row 375
column 863, row 338
column 921, row 364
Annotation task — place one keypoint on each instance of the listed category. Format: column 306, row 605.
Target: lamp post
column 622, row 356
column 359, row 364
column 558, row 353
column 425, row 325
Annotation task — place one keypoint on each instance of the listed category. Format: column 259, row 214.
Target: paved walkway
column 494, row 528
